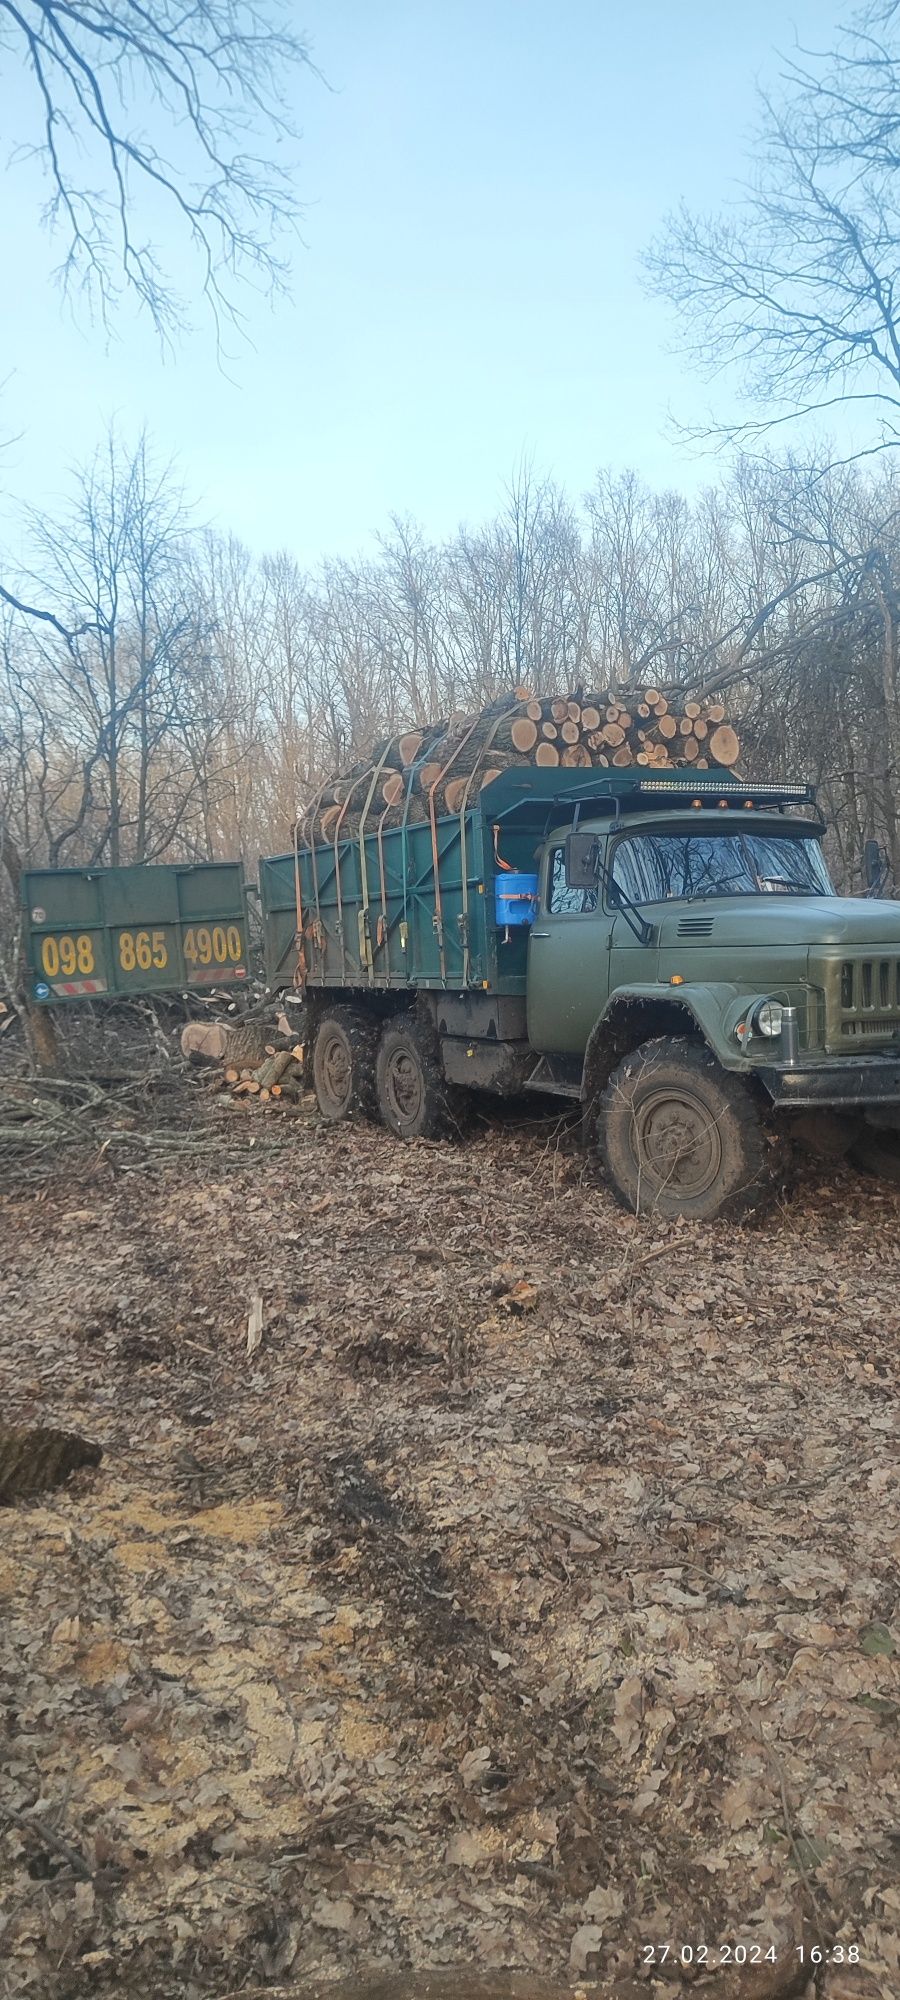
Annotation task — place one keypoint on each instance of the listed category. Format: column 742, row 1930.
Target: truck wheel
column 678, row 1135
column 343, row 1063
column 877, row 1152
column 413, row 1095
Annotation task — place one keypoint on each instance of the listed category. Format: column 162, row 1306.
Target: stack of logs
column 454, row 759
column 278, row 1079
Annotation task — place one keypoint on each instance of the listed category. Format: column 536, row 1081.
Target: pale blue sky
column 480, row 179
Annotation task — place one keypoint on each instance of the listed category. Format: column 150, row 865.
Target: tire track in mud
column 516, row 1754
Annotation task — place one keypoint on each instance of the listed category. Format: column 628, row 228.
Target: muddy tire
column 877, row 1152
column 679, row 1136
column 343, row 1064
column 414, row 1099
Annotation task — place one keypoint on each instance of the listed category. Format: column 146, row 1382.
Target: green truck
column 664, row 949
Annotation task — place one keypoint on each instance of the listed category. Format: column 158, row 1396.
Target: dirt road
column 528, row 1598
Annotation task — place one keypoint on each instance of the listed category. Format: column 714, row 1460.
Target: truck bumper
column 842, row 1085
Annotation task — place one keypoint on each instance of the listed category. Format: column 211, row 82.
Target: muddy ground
column 527, row 1599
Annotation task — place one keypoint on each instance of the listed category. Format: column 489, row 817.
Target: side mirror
column 873, row 865
column 582, row 861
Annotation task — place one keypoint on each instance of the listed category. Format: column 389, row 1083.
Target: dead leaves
column 502, row 1700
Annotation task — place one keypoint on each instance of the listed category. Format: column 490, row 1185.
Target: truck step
column 560, row 1075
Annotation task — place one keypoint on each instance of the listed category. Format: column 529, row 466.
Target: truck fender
column 637, row 1016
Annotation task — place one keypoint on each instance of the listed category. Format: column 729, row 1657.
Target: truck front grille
column 870, row 999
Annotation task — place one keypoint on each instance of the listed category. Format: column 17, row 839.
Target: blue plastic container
column 515, row 899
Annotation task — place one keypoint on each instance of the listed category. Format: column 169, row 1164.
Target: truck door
column 568, row 960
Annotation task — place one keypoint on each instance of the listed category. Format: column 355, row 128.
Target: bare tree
column 138, row 111
column 799, row 286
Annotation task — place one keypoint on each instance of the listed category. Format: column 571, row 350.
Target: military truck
column 666, row 950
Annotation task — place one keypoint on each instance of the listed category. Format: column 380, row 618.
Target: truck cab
column 676, row 954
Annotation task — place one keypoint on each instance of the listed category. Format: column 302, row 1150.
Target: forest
column 181, row 696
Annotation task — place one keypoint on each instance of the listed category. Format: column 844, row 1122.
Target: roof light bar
column 728, row 788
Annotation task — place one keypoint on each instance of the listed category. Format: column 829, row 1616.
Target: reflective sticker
column 38, row 916
column 42, row 990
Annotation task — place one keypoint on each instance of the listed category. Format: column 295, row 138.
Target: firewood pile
column 253, row 1062
column 451, row 761
column 276, row 1080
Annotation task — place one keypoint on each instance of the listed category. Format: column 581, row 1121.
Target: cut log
column 613, row 712
column 575, row 757
column 247, row 1044
column 393, row 789
column 523, row 733
column 691, row 750
column 546, row 755
column 454, row 791
column 569, row 732
column 660, row 704
column 487, row 777
column 590, row 719
column 329, row 820
column 701, row 729
column 272, row 1071
column 204, row 1041
column 549, row 731
column 613, row 735
column 410, row 747
column 692, row 709
column 559, row 711
column 667, row 727
column 622, row 757
column 643, row 709
column 574, row 708
column 651, row 696
column 715, row 712
column 429, row 774
column 724, row 746
column 685, row 726
column 535, row 711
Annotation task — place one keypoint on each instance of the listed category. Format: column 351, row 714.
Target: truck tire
column 343, row 1063
column 414, row 1098
column 679, row 1136
column 877, row 1152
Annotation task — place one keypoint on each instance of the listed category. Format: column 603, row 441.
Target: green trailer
column 91, row 932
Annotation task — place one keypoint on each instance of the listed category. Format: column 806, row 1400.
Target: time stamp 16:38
column 748, row 1954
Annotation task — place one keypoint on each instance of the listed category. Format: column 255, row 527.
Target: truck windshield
column 662, row 867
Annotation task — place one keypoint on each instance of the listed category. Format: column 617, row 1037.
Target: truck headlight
column 767, row 1019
